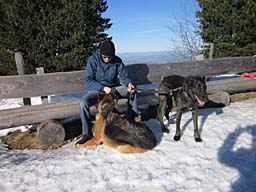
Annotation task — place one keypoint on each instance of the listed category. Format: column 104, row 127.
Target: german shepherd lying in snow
column 189, row 93
column 117, row 132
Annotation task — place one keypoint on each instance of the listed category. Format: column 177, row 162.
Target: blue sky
column 142, row 25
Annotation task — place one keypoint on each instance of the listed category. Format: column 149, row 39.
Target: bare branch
column 185, row 40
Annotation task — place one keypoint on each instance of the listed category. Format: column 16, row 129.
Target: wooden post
column 210, row 56
column 211, row 51
column 21, row 71
column 40, row 70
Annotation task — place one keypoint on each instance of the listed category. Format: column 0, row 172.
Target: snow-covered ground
column 224, row 161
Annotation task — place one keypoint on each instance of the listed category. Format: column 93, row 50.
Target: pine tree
column 7, row 62
column 57, row 35
column 230, row 25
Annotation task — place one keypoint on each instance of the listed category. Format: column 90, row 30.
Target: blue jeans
column 91, row 98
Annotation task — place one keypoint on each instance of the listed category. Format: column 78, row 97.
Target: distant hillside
column 147, row 57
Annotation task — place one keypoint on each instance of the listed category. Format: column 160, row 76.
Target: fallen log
column 50, row 132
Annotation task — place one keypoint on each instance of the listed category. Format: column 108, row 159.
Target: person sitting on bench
column 105, row 70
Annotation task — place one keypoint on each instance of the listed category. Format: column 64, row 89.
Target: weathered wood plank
column 200, row 68
column 68, row 82
column 39, row 113
column 40, row 84
column 233, row 85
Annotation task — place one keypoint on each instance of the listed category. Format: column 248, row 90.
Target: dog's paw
column 165, row 130
column 176, row 138
column 198, row 139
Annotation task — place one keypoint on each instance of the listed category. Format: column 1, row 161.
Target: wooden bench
column 25, row 86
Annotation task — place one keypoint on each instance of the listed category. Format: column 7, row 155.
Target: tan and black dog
column 117, row 132
column 189, row 93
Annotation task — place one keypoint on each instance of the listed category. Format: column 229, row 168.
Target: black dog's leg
column 168, row 110
column 195, row 121
column 161, row 112
column 178, row 119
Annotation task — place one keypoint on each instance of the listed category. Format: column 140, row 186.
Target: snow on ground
column 224, row 161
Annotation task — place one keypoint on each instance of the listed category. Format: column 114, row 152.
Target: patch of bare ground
column 29, row 140
column 26, row 140
column 242, row 96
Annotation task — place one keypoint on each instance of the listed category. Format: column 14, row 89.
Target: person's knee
column 83, row 103
column 91, row 98
column 122, row 91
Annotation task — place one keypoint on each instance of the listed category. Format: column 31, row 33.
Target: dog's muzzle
column 199, row 101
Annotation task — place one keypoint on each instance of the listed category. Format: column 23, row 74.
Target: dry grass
column 242, row 96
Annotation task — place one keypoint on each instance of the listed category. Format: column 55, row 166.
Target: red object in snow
column 250, row 75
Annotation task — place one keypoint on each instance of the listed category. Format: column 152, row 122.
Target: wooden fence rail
column 70, row 82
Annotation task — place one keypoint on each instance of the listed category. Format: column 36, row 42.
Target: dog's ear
column 106, row 108
column 191, row 80
column 107, row 99
column 203, row 78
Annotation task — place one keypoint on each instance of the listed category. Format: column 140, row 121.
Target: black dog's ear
column 193, row 79
column 204, row 78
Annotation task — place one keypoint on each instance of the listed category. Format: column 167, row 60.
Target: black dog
column 189, row 93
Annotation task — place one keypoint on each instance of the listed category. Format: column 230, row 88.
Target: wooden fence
column 25, row 86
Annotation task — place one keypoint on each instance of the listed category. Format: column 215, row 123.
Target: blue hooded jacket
column 99, row 74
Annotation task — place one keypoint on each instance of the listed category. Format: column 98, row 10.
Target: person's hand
column 107, row 90
column 130, row 88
